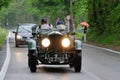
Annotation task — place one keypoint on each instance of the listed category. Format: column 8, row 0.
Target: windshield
column 25, row 29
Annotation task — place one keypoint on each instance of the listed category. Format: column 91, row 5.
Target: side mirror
column 14, row 31
column 34, row 34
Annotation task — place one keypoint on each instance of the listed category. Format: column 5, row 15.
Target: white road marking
column 103, row 48
column 7, row 60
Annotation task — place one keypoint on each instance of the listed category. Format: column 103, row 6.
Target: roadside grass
column 106, row 39
column 79, row 35
column 3, row 35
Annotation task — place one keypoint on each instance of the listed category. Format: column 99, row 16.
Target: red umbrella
column 84, row 24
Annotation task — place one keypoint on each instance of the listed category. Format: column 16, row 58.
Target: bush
column 79, row 35
column 106, row 39
column 3, row 35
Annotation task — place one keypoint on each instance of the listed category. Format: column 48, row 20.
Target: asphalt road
column 97, row 64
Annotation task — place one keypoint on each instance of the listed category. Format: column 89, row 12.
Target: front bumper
column 53, row 58
column 21, row 41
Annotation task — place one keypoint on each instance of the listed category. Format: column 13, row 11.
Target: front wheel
column 78, row 62
column 32, row 61
column 32, row 64
column 16, row 45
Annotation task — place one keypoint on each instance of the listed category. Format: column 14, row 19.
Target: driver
column 45, row 24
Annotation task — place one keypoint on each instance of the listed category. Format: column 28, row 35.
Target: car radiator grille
column 55, row 44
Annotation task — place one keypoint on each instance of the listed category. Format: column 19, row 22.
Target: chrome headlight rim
column 66, row 42
column 45, row 42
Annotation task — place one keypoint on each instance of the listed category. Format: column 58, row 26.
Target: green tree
column 60, row 8
column 18, row 11
column 49, row 8
column 4, row 3
column 102, row 15
column 114, row 17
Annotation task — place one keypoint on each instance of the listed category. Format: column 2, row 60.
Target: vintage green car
column 56, row 47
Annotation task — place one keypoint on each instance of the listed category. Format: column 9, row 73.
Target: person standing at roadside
column 85, row 29
column 85, row 32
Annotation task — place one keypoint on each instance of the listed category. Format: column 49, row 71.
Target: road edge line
column 7, row 60
column 110, row 50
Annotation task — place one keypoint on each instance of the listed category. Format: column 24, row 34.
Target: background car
column 23, row 32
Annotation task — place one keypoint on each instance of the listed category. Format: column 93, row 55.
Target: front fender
column 78, row 45
column 31, row 44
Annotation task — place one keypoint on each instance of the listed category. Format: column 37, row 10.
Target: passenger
column 57, row 21
column 45, row 24
column 60, row 25
column 67, row 22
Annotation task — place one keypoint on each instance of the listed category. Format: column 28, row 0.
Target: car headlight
column 45, row 42
column 19, row 37
column 66, row 42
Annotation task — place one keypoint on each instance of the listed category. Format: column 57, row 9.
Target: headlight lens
column 19, row 37
column 45, row 42
column 66, row 42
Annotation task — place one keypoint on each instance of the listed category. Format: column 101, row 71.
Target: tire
column 32, row 64
column 78, row 63
column 28, row 62
column 71, row 61
column 32, row 61
column 16, row 45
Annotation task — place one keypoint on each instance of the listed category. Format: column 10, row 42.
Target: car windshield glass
column 25, row 29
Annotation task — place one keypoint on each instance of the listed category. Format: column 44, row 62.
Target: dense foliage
column 3, row 34
column 19, row 11
column 60, row 8
column 33, row 10
column 4, row 3
column 104, row 15
column 104, row 20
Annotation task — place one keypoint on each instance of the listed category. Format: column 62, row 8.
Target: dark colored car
column 23, row 32
column 56, row 47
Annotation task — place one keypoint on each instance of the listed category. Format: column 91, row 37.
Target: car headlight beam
column 66, row 42
column 19, row 37
column 45, row 42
